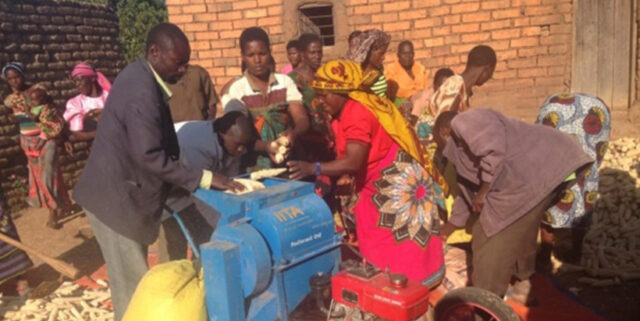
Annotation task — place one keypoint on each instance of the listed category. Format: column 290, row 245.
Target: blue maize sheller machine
column 266, row 247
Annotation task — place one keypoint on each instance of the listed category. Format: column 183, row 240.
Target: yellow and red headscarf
column 346, row 77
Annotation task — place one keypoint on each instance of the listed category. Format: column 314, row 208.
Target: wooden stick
column 64, row 268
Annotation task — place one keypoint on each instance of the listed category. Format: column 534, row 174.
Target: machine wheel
column 472, row 304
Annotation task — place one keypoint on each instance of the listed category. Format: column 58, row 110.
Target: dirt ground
column 616, row 302
column 74, row 243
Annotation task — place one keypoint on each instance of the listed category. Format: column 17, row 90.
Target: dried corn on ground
column 69, row 302
column 611, row 247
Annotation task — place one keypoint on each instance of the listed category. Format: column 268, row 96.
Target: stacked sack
column 611, row 248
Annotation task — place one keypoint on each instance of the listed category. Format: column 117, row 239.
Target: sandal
column 521, row 293
column 54, row 225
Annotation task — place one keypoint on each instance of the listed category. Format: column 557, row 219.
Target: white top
column 281, row 89
column 79, row 106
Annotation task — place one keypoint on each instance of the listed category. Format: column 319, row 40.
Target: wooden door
column 602, row 50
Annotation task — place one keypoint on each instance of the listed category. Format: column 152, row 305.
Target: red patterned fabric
column 392, row 224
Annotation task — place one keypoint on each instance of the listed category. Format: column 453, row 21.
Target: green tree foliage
column 137, row 17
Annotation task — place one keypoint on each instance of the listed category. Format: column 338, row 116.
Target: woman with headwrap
column 14, row 73
column 83, row 111
column 369, row 49
column 40, row 133
column 398, row 200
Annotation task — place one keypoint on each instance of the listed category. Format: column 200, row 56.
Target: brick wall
column 50, row 37
column 213, row 28
column 532, row 38
column 636, row 96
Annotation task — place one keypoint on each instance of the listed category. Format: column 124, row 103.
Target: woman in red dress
column 398, row 190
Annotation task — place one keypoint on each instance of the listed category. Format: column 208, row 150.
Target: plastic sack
column 172, row 291
column 459, row 235
column 457, row 269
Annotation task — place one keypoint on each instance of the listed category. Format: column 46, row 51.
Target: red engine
column 389, row 296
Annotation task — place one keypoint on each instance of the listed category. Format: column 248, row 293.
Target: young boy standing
column 455, row 91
